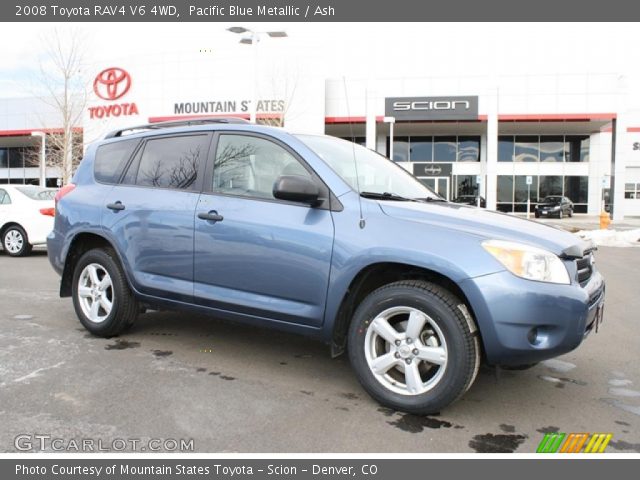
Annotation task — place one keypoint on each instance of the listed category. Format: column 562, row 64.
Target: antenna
column 353, row 149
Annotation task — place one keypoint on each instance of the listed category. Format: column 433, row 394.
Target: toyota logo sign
column 112, row 83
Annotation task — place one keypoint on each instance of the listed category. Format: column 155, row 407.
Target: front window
column 375, row 173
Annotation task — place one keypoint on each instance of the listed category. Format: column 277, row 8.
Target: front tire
column 102, row 298
column 560, row 215
column 414, row 347
column 16, row 242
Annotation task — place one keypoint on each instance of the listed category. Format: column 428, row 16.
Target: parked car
column 26, row 217
column 554, row 205
column 315, row 235
column 470, row 200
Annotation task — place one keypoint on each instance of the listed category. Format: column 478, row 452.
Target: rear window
column 111, row 159
column 37, row 193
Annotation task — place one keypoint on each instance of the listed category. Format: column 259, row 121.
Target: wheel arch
column 9, row 224
column 82, row 243
column 376, row 275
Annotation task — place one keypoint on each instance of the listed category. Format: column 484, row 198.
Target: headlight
column 528, row 262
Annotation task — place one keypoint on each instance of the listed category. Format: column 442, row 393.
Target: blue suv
column 319, row 236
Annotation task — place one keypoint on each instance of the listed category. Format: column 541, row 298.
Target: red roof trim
column 633, row 129
column 554, row 117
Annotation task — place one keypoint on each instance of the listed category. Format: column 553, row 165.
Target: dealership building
column 512, row 139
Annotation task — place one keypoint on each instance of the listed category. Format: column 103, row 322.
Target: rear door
column 150, row 213
column 264, row 257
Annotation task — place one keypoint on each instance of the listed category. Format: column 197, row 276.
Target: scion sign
column 432, row 108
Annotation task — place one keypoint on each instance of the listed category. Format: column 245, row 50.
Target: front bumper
column 523, row 321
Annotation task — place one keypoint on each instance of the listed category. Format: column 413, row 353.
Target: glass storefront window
column 550, row 185
column 552, row 148
column 468, row 149
column 3, row 158
column 357, row 140
column 421, row 149
column 436, row 149
column 575, row 188
column 505, row 188
column 506, row 146
column 400, row 149
column 444, row 149
column 527, row 149
column 521, row 189
column 632, row 191
column 466, row 185
column 512, row 191
column 577, row 148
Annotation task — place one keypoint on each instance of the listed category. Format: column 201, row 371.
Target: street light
column 43, row 166
column 251, row 37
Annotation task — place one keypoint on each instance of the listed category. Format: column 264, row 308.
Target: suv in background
column 315, row 235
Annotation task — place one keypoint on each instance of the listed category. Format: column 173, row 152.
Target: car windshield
column 376, row 176
column 551, row 199
column 37, row 193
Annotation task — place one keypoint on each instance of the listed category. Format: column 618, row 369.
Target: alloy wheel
column 95, row 292
column 406, row 351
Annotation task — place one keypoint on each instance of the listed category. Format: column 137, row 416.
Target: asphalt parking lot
column 232, row 388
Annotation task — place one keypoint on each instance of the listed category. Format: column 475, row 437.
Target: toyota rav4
column 319, row 236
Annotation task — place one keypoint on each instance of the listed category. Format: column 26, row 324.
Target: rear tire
column 570, row 212
column 414, row 346
column 16, row 242
column 101, row 295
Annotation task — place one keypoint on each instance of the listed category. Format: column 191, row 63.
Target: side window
column 4, row 198
column 111, row 159
column 172, row 162
column 249, row 166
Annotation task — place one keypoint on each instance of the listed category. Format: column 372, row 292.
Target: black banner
column 316, row 11
column 309, row 469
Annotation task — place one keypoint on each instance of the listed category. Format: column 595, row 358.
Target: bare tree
column 64, row 88
column 280, row 85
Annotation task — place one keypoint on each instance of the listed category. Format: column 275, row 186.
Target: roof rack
column 175, row 123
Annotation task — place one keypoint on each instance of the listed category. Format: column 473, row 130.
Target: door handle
column 212, row 216
column 115, row 206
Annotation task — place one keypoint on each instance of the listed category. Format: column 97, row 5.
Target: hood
column 487, row 225
column 549, row 204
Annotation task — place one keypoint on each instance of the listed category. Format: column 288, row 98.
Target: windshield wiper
column 387, row 196
column 434, row 199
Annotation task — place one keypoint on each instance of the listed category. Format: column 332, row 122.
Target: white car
column 26, row 217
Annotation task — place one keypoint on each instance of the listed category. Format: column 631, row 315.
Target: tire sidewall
column 107, row 262
column 25, row 241
column 454, row 380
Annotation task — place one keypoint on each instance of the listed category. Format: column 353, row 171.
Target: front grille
column 585, row 268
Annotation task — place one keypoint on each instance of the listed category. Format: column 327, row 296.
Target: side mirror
column 296, row 188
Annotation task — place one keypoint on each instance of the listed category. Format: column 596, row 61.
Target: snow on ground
column 612, row 238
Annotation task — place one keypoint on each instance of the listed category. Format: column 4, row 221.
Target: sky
column 365, row 50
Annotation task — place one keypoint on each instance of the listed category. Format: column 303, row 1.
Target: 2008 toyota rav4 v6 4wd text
column 316, row 235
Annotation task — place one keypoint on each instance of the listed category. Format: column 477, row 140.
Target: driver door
column 254, row 254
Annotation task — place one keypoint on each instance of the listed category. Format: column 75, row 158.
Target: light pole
column 251, row 37
column 43, row 166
